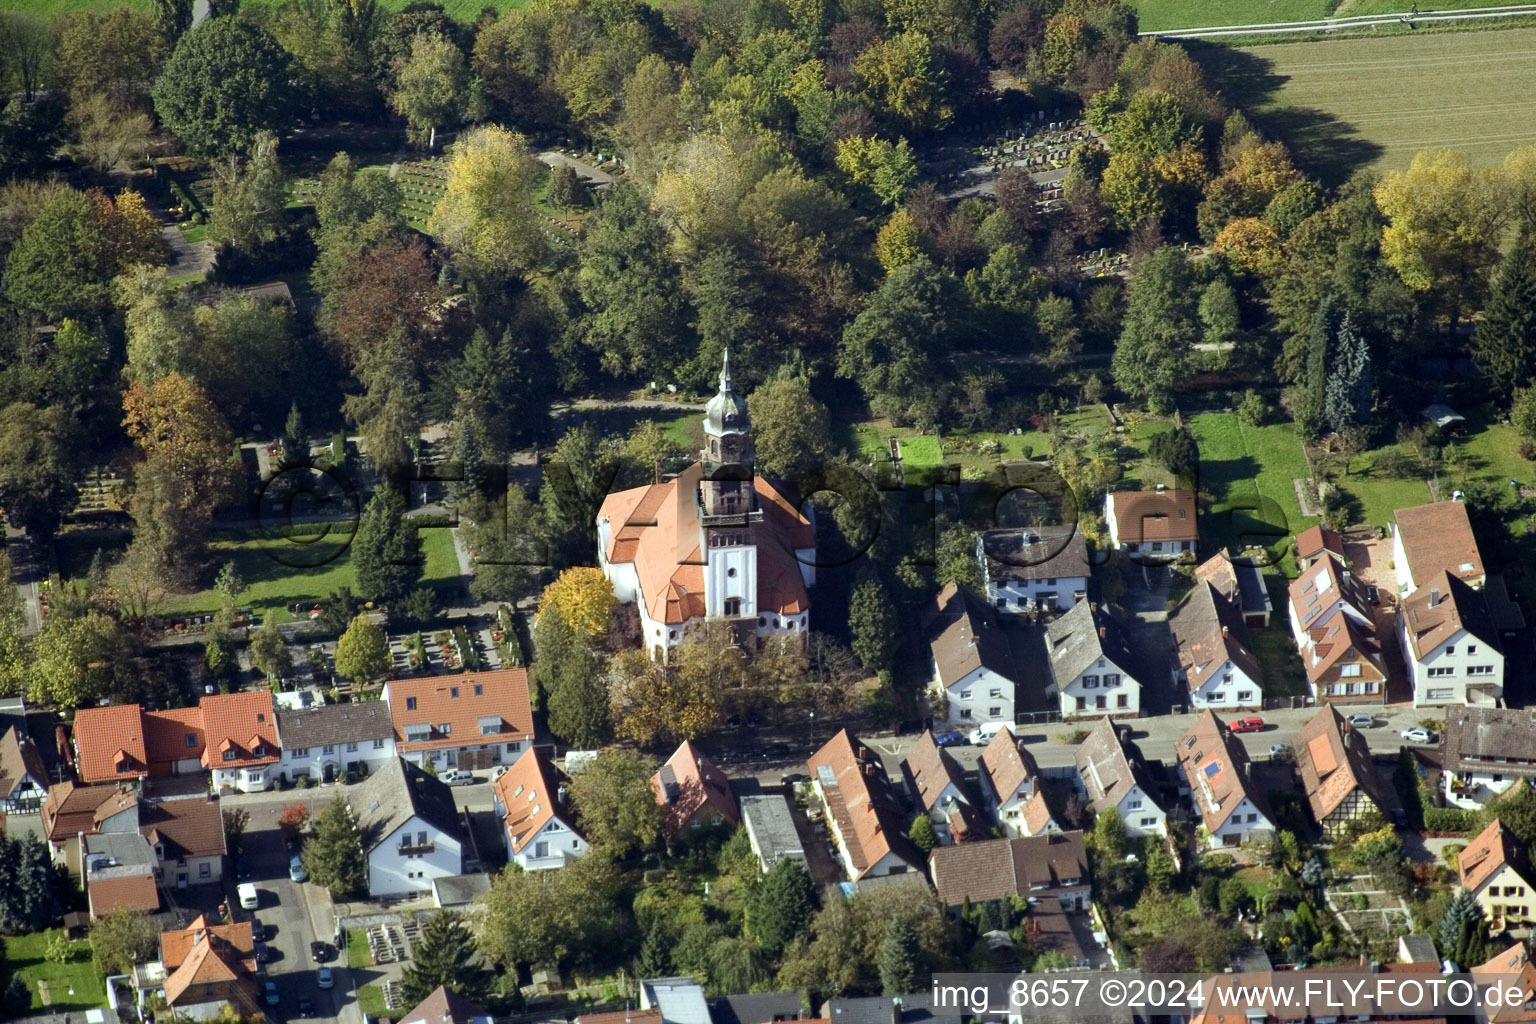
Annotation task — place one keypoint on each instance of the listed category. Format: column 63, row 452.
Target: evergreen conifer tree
column 334, row 855
column 295, row 439
column 1504, row 343
column 445, row 954
column 901, row 957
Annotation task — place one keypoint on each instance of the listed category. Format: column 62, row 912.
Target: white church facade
column 716, row 541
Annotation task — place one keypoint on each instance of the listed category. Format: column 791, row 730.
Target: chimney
column 1101, row 632
column 560, row 795
column 896, row 1010
column 1434, row 596
column 1225, row 630
column 657, row 472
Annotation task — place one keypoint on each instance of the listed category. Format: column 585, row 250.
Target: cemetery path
column 593, row 174
column 186, row 257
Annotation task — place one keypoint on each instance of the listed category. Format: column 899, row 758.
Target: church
column 715, row 541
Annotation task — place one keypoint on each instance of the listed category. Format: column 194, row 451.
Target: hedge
column 1449, row 819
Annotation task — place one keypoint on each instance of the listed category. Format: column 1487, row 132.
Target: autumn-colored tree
column 652, row 705
column 293, row 819
column 1444, row 222
column 389, row 287
column 702, row 183
column 177, row 427
column 898, row 241
column 584, row 597
column 486, row 216
column 1250, row 244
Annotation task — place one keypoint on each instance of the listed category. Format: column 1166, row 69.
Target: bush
column 1448, row 819
column 1253, row 410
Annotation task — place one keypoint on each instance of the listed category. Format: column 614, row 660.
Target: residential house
column 715, row 541
column 537, row 824
column 23, row 779
column 1511, row 970
column 119, row 873
column 1241, row 584
column 1027, row 867
column 187, row 837
column 1337, row 773
column 1450, row 644
column 1156, row 526
column 937, row 786
column 973, row 667
column 693, row 793
column 241, row 734
column 1313, row 543
column 1430, row 539
column 1090, row 664
column 109, row 744
column 411, row 829
column 443, row 1006
column 868, row 828
column 1031, row 567
column 207, row 965
column 1495, row 870
column 1484, row 751
column 1216, row 769
column 1214, row 663
column 1011, row 787
column 72, row 811
column 771, row 830
column 329, row 741
column 471, row 721
column 1336, row 634
column 1117, row 780
column 174, row 740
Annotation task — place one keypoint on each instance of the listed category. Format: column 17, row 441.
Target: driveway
column 1145, row 604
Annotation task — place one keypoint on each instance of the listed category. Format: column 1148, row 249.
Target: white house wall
column 392, row 873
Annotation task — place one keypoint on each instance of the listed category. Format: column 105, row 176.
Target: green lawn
column 24, row 954
column 305, row 569
column 1158, row 15
column 1344, row 103
column 370, row 999
column 358, row 954
column 1249, row 473
column 872, row 440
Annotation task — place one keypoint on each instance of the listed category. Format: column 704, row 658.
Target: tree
column 77, row 659
column 873, row 624
column 172, row 19
column 235, row 822
column 1463, row 909
column 560, row 916
column 898, row 241
column 1504, row 342
column 429, row 92
column 27, row 47
column 108, row 133
column 17, row 998
column 269, row 651
column 15, row 651
column 1177, row 450
column 110, row 53
column 227, row 80
column 1522, row 413
column 922, row 834
column 584, row 597
column 901, row 958
column 178, row 428
column 123, row 939
column 782, row 906
column 295, row 447
column 39, row 466
column 1444, row 220
column 486, row 214
column 1348, row 391
column 1109, row 836
column 362, row 653
column 386, row 550
column 293, row 819
column 249, row 196
column 333, row 855
column 578, row 697
column 1161, row 324
column 565, row 190
column 614, row 802
column 61, row 265
column 792, row 431
column 445, row 954
column 1219, row 313
column 887, row 168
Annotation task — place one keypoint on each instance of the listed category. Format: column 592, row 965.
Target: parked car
column 272, row 997
column 1372, row 595
column 261, row 932
column 459, row 778
column 1279, row 752
column 794, row 778
column 265, row 954
column 1361, row 720
column 501, row 770
column 322, row 951
column 1250, row 724
column 982, row 734
column 306, row 1006
column 326, row 978
column 249, row 898
column 296, row 869
column 1418, row 734
column 949, row 739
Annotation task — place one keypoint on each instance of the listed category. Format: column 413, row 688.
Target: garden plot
column 1361, row 904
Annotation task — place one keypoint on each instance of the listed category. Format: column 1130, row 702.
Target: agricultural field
column 1347, row 103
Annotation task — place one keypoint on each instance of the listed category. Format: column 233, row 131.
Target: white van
column 982, row 734
column 249, row 900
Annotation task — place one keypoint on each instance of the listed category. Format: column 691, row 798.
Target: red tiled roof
column 238, row 723
column 70, row 808
column 1145, row 516
column 1438, row 536
column 1511, row 968
column 1313, row 542
column 1493, row 848
column 859, row 802
column 1008, row 763
column 166, row 732
column 1334, row 761
column 205, row 953
column 109, row 744
column 530, row 790
column 460, row 702
column 1215, row 766
column 186, row 828
column 687, row 784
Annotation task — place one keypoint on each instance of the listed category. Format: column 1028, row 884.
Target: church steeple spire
column 725, row 416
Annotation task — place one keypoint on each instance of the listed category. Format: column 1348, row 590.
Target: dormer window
column 229, row 755
column 490, row 725
column 445, row 728
column 410, row 703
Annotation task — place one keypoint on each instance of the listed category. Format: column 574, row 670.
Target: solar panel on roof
column 1212, row 768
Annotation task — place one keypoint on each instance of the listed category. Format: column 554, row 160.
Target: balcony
column 408, row 848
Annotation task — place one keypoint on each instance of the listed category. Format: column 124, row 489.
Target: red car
column 1248, row 725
